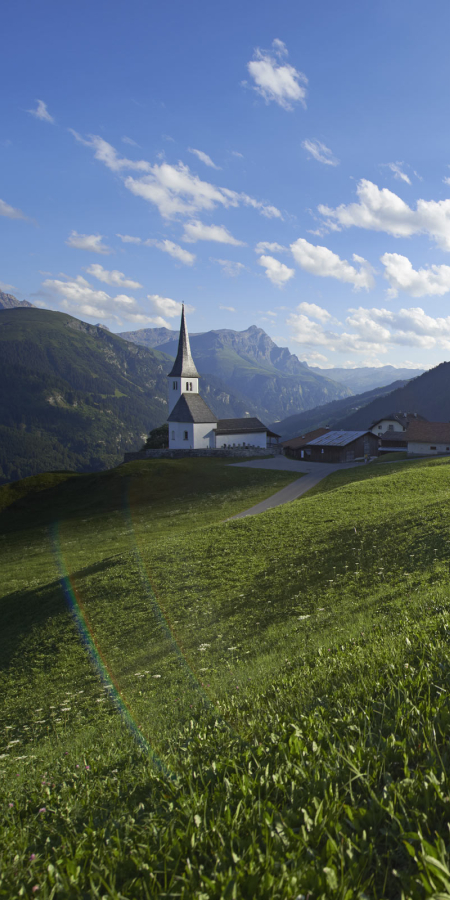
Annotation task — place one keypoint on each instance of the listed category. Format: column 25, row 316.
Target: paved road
column 312, row 474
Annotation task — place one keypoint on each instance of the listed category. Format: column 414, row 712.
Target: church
column 192, row 425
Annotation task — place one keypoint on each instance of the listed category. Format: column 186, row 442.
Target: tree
column 158, row 438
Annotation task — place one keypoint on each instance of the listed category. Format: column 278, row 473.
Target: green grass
column 395, row 456
column 288, row 674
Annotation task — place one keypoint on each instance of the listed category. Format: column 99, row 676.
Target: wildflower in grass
column 10, row 805
column 35, row 888
column 156, row 676
column 87, row 767
column 43, row 809
column 32, row 857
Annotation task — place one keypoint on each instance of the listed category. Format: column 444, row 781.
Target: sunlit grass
column 289, row 671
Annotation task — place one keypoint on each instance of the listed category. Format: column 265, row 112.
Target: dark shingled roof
column 242, row 426
column 192, row 408
column 426, row 432
column 184, row 366
column 337, row 438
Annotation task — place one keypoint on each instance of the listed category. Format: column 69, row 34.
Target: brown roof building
column 420, row 439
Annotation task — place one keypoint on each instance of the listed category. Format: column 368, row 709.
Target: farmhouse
column 421, row 438
column 192, row 425
column 395, row 422
column 341, row 446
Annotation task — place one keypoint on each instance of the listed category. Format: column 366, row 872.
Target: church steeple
column 184, row 366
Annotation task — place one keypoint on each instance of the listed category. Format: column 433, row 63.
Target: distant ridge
column 8, row 301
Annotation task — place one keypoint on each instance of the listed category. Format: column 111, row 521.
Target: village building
column 192, row 425
column 394, row 422
column 421, row 438
column 341, row 446
column 295, row 447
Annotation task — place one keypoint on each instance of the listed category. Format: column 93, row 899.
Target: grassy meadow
column 195, row 706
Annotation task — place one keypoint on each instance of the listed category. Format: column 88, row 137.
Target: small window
column 190, row 385
column 174, row 385
column 380, row 427
column 185, row 436
column 173, row 435
column 390, row 428
column 187, row 385
column 432, row 448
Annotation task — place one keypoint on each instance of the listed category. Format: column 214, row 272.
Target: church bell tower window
column 174, row 385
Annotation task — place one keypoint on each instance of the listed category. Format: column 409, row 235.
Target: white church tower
column 191, row 422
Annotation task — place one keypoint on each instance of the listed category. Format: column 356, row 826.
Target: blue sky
column 280, row 165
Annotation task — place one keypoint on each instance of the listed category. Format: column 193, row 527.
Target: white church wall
column 258, row 439
column 181, row 436
column 204, row 435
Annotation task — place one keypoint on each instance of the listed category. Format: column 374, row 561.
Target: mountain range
column 8, row 301
column 362, row 379
column 274, row 381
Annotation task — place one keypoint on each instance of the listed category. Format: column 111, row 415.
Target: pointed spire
column 184, row 365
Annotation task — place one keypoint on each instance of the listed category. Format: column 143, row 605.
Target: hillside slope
column 274, row 380
column 332, row 414
column 428, row 395
column 75, row 396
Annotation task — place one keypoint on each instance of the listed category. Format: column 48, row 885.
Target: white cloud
column 7, row 287
column 374, row 332
column 197, row 231
column 398, row 172
column 433, row 280
column 114, row 278
column 81, row 299
column 41, row 112
column 320, row 152
column 91, row 242
column 446, row 180
column 229, row 267
column 228, row 308
column 10, row 212
column 271, row 246
column 277, row 80
column 321, row 261
column 204, row 158
column 315, row 357
column 267, row 312
column 174, row 190
column 174, row 250
column 315, row 312
column 128, row 140
column 168, row 307
column 276, row 271
column 128, row 239
column 236, row 153
column 382, row 210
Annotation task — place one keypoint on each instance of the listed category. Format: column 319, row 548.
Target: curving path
column 312, row 473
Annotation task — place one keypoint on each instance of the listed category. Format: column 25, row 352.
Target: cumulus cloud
column 397, row 171
column 128, row 239
column 315, row 312
column 274, row 79
column 229, row 268
column 172, row 249
column 173, row 189
column 10, row 212
column 374, row 331
column 91, row 242
column 41, row 112
column 204, row 158
column 270, row 246
column 198, row 231
column 382, row 210
column 78, row 297
column 321, row 261
column 114, row 278
column 168, row 307
column 320, row 152
column 276, row 271
column 432, row 280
